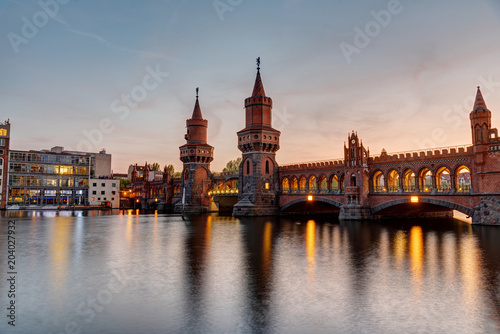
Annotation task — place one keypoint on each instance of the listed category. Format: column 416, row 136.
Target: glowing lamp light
column 414, row 199
column 309, row 197
column 156, row 199
column 137, row 200
column 267, row 185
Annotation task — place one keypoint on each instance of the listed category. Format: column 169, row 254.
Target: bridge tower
column 485, row 175
column 196, row 156
column 356, row 179
column 258, row 142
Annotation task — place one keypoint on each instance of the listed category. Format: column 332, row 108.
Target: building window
column 113, row 185
column 103, row 192
column 112, row 198
column 94, row 184
column 267, row 166
column 113, row 192
column 103, row 184
column 94, row 192
column 2, row 142
column 104, row 198
column 98, row 198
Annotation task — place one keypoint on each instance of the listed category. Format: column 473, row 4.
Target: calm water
column 159, row 274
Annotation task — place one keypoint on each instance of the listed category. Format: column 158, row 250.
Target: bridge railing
column 312, row 164
column 425, row 153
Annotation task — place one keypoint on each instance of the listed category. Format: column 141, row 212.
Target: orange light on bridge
column 267, row 185
column 156, row 199
column 310, row 197
column 414, row 199
column 137, row 200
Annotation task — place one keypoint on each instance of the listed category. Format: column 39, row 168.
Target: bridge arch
column 302, row 184
column 312, row 184
column 443, row 178
column 392, row 178
column 323, row 184
column 438, row 202
column 462, row 179
column 409, row 178
column 333, row 183
column 425, row 179
column 294, row 184
column 377, row 181
column 285, row 185
column 316, row 198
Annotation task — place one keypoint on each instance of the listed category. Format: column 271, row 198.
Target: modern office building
column 53, row 177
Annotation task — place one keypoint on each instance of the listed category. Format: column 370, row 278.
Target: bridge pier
column 488, row 211
column 355, row 212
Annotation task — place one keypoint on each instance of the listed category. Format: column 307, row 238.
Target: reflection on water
column 130, row 272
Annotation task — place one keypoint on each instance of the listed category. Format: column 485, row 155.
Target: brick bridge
column 357, row 186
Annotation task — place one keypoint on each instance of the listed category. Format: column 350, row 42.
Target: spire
column 258, row 89
column 197, row 109
column 479, row 104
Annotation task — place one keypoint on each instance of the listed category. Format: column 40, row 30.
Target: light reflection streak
column 400, row 248
column 311, row 247
column 59, row 241
column 417, row 257
column 266, row 247
column 470, row 260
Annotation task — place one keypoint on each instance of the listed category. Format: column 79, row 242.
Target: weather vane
column 197, row 90
column 258, row 63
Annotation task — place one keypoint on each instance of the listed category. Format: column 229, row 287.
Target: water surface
column 154, row 273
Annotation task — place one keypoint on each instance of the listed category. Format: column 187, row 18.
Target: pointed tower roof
column 258, row 88
column 197, row 109
column 479, row 104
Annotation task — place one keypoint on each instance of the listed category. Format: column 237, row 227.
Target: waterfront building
column 53, row 177
column 4, row 161
column 104, row 192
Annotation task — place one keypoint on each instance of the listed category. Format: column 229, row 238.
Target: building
column 53, row 178
column 4, row 161
column 196, row 156
column 104, row 192
column 148, row 189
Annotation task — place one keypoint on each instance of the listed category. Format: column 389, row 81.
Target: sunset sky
column 403, row 74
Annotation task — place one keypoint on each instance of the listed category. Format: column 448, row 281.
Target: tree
column 154, row 166
column 124, row 183
column 172, row 172
column 233, row 165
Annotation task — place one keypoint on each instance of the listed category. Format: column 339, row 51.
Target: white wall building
column 104, row 192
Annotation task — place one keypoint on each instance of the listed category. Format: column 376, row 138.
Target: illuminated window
column 3, row 132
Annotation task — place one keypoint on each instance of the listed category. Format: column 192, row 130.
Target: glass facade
column 47, row 178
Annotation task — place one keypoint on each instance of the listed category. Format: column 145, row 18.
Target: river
column 125, row 272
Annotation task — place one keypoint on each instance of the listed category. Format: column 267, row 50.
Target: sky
column 121, row 75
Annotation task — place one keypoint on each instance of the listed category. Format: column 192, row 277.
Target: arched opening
column 285, row 186
column 408, row 181
column 341, row 183
column 334, row 183
column 302, row 184
column 463, row 182
column 295, row 185
column 267, row 166
column 353, row 180
column 443, row 180
column 313, row 186
column 323, row 184
column 425, row 180
column 248, row 167
column 393, row 182
column 379, row 182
